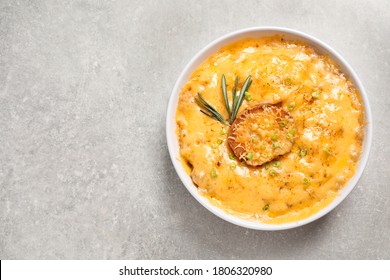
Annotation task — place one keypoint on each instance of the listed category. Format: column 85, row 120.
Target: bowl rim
column 172, row 140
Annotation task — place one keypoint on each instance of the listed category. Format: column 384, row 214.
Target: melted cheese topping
column 328, row 116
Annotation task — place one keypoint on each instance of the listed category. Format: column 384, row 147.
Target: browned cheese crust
column 261, row 133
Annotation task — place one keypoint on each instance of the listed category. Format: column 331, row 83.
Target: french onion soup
column 269, row 129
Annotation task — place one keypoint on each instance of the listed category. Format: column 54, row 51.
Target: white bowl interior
column 212, row 48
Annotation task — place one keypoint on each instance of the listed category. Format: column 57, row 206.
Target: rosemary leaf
column 207, row 114
column 207, row 106
column 225, row 96
column 211, row 112
column 210, row 115
column 240, row 99
column 234, row 97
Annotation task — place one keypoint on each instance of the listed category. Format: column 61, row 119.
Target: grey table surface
column 84, row 167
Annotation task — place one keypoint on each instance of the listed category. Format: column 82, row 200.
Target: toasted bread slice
column 261, row 133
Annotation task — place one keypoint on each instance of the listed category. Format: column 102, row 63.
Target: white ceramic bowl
column 258, row 32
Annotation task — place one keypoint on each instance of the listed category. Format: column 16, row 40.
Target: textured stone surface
column 84, row 167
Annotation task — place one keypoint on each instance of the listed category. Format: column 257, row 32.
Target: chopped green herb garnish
column 315, row 95
column 266, row 207
column 283, row 123
column 223, row 131
column 276, row 163
column 267, row 166
column 292, row 131
column 232, row 166
column 272, row 172
column 274, row 137
column 232, row 156
column 302, row 152
column 327, row 151
column 291, row 106
column 287, row 82
column 306, row 181
column 249, row 156
column 275, row 145
column 216, row 143
column 248, row 96
column 213, row 173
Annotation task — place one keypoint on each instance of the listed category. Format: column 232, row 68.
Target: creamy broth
column 328, row 116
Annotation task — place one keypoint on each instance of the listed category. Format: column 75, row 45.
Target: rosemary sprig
column 211, row 112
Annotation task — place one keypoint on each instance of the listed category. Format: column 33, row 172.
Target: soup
column 325, row 136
